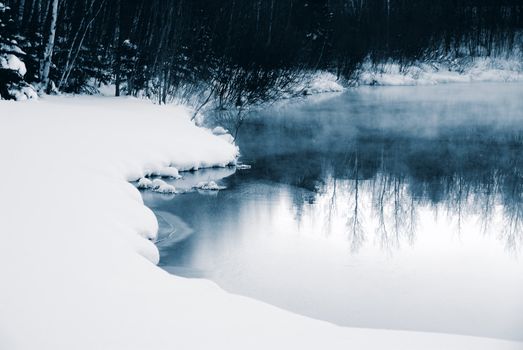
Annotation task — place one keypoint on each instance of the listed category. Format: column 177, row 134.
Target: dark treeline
column 241, row 51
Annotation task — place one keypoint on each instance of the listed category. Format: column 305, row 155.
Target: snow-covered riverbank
column 469, row 70
column 77, row 263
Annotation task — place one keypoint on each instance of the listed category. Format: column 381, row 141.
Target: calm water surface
column 387, row 207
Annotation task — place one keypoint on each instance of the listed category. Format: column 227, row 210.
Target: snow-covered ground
column 318, row 83
column 484, row 69
column 77, row 262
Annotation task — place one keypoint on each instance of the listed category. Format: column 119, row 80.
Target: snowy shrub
column 12, row 68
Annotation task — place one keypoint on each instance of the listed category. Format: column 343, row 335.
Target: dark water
column 390, row 207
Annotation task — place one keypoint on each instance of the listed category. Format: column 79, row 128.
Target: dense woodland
column 234, row 52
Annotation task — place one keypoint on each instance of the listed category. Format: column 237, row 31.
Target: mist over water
column 389, row 207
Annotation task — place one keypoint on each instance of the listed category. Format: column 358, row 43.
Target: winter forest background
column 235, row 52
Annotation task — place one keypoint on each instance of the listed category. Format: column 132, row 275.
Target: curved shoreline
column 71, row 274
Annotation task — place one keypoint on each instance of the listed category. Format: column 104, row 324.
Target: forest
column 233, row 52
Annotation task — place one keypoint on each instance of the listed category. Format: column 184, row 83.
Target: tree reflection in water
column 378, row 156
column 464, row 173
column 383, row 208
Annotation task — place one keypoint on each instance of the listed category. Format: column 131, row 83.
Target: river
column 381, row 207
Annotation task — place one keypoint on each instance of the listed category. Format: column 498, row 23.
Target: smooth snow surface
column 76, row 257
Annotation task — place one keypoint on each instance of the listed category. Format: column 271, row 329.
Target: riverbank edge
column 79, row 275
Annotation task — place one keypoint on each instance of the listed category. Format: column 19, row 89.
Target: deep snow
column 77, row 263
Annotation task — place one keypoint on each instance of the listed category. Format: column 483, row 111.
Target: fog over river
column 381, row 207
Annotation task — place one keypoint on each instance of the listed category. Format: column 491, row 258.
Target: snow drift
column 76, row 251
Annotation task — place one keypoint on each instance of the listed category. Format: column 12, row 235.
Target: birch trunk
column 48, row 53
column 118, row 45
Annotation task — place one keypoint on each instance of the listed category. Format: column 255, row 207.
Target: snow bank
column 171, row 172
column 322, row 82
column 76, row 251
column 483, row 69
column 314, row 83
column 162, row 187
column 219, row 130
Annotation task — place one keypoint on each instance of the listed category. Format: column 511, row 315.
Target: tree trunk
column 70, row 65
column 48, row 53
column 258, row 9
column 118, row 44
column 271, row 18
column 21, row 10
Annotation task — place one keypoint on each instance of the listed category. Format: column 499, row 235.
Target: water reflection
column 464, row 172
column 384, row 208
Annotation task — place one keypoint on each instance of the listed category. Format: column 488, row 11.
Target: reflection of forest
column 466, row 172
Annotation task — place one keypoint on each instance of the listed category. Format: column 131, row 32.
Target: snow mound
column 312, row 83
column 170, row 172
column 219, row 131
column 323, row 82
column 144, row 183
column 161, row 186
column 209, row 186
